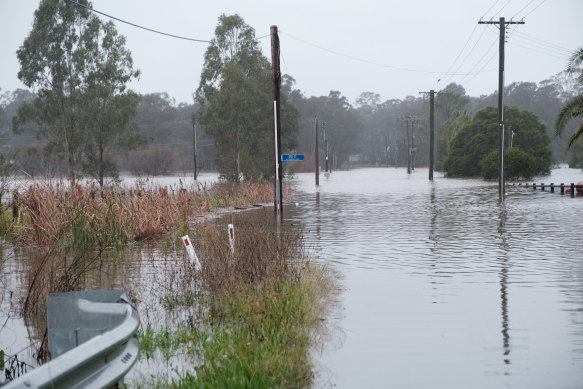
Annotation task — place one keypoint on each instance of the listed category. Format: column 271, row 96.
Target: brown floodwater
column 442, row 286
column 446, row 287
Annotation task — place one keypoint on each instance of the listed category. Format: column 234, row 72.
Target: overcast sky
column 393, row 48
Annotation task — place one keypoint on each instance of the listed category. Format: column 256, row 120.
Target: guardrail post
column 542, row 186
column 552, row 187
column 562, row 188
column 534, row 186
column 572, row 189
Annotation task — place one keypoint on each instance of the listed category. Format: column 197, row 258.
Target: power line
column 523, row 8
column 502, row 9
column 137, row 25
column 563, row 57
column 464, row 47
column 360, row 59
column 489, row 9
column 535, row 8
column 480, row 60
column 541, row 42
column 470, row 52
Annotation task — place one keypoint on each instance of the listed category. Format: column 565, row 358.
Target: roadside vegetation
column 248, row 318
column 256, row 315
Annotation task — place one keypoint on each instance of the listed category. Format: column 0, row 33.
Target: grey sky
column 394, row 48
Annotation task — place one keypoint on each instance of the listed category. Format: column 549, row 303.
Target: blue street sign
column 292, row 157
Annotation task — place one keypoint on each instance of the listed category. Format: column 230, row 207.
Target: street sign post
column 292, row 157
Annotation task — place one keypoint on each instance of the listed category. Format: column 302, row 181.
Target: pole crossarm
column 498, row 22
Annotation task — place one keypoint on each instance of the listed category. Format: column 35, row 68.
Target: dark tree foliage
column 471, row 148
column 517, row 164
column 79, row 68
column 236, row 104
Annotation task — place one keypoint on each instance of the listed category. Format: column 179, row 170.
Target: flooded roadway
column 444, row 287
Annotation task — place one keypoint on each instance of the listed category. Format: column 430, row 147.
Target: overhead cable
column 137, row 25
column 360, row 59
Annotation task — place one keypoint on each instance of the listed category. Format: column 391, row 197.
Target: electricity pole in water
column 431, row 131
column 502, row 26
column 276, row 83
column 316, row 154
column 194, row 142
column 408, row 149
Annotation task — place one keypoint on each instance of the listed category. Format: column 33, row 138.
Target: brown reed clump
column 259, row 255
column 91, row 217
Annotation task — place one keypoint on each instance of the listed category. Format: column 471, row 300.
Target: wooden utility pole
column 408, row 150
column 413, row 148
column 194, row 143
column 275, row 89
column 431, row 131
column 502, row 26
column 316, row 154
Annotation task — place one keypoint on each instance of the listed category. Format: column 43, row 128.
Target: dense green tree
column 479, row 137
column 235, row 103
column 108, row 107
column 79, row 68
column 517, row 164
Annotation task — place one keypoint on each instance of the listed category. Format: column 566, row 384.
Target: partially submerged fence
column 552, row 187
column 91, row 340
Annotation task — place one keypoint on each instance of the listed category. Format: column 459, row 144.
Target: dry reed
column 87, row 216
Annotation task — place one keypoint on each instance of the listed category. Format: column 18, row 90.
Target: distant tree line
column 81, row 120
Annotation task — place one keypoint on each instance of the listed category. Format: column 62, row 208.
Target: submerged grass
column 256, row 315
column 93, row 217
column 248, row 318
column 260, row 336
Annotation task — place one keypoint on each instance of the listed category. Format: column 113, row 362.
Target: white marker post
column 277, row 167
column 191, row 253
column 232, row 240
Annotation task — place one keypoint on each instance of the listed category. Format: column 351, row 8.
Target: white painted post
column 232, row 240
column 191, row 253
column 277, row 167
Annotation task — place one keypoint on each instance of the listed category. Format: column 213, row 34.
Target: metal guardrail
column 91, row 339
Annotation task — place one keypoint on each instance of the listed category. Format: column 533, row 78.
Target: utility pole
column 413, row 149
column 194, row 142
column 316, row 154
column 408, row 150
column 326, row 145
column 431, row 131
column 275, row 89
column 502, row 26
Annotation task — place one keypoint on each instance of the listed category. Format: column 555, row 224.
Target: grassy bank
column 254, row 317
column 258, row 336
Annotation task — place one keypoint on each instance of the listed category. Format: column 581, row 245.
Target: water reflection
column 504, row 283
column 445, row 286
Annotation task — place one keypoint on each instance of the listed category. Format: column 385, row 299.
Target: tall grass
column 256, row 313
column 91, row 217
column 68, row 229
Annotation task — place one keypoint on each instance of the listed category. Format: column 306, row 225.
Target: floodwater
column 443, row 285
